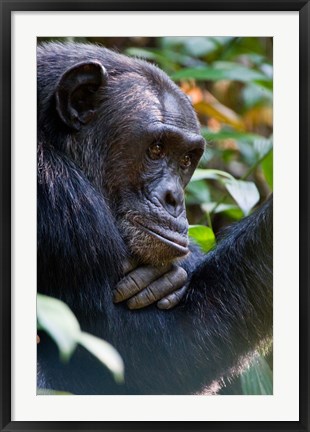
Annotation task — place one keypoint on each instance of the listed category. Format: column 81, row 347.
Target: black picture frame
column 7, row 7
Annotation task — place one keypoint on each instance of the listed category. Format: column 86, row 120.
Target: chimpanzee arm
column 233, row 289
column 236, row 279
column 225, row 315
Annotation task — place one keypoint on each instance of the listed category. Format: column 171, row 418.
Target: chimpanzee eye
column 186, row 161
column 156, row 151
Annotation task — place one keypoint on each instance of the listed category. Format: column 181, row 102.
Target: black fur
column 227, row 312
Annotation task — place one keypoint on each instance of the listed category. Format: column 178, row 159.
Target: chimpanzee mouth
column 180, row 244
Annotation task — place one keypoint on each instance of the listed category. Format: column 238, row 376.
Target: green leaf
column 267, row 84
column 143, row 53
column 203, row 236
column 254, row 94
column 230, row 210
column 49, row 392
column 255, row 151
column 223, row 71
column 238, row 72
column 199, row 46
column 104, row 353
column 234, row 213
column 167, row 59
column 210, row 174
column 59, row 322
column 194, row 46
column 244, row 193
column 267, row 167
column 257, row 380
column 230, row 134
column 262, row 147
column 211, row 207
column 197, row 192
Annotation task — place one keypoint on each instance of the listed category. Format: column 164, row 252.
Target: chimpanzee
column 117, row 144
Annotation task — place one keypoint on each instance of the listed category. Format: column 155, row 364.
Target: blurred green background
column 230, row 83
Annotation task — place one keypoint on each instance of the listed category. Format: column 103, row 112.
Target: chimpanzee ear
column 76, row 93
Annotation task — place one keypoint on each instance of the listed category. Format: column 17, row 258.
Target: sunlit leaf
column 266, row 84
column 105, row 353
column 203, row 236
column 254, row 152
column 257, row 380
column 244, row 193
column 153, row 55
column 258, row 115
column 222, row 40
column 234, row 213
column 244, row 45
column 199, row 46
column 168, row 59
column 267, row 68
column 220, row 112
column 229, row 134
column 262, row 147
column 213, row 207
column 221, row 71
column 205, row 103
column 254, row 95
column 210, row 174
column 230, row 210
column 49, row 392
column 59, row 322
column 267, row 167
column 195, row 45
column 239, row 72
column 143, row 53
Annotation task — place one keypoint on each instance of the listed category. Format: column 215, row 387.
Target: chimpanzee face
column 150, row 155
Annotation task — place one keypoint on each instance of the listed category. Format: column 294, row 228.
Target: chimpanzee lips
column 175, row 240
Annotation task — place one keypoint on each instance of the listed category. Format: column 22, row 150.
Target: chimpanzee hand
column 147, row 284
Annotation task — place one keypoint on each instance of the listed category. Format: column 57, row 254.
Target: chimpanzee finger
column 136, row 281
column 160, row 288
column 173, row 299
column 129, row 265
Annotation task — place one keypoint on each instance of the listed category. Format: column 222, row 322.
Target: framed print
column 121, row 310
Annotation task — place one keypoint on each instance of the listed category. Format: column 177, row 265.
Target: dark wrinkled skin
column 104, row 200
column 144, row 285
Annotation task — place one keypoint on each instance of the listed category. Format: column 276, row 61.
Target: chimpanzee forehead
column 171, row 105
column 177, row 111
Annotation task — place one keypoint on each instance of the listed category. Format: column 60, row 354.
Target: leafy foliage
column 60, row 323
column 203, row 236
column 257, row 380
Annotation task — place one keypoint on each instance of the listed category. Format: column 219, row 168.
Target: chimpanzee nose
column 172, row 199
